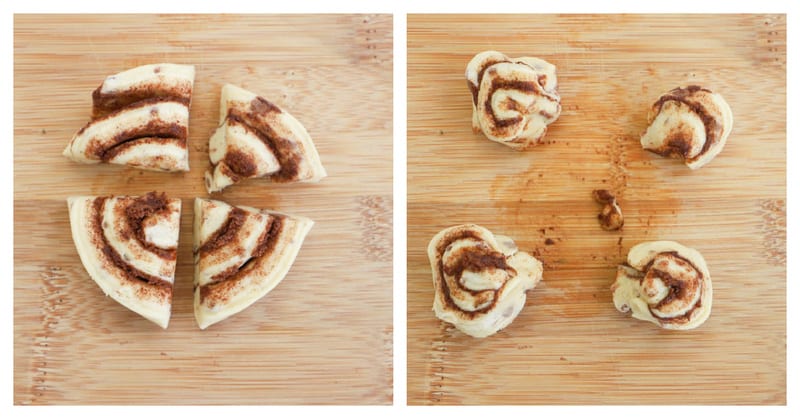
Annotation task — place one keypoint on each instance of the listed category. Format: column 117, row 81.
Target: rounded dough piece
column 513, row 99
column 480, row 280
column 665, row 283
column 689, row 123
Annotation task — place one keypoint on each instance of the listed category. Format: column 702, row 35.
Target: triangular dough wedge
column 256, row 138
column 241, row 254
column 140, row 118
column 128, row 245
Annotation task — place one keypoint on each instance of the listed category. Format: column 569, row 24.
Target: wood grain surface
column 324, row 335
column 570, row 345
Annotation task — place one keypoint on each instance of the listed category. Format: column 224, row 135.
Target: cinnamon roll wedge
column 128, row 245
column 689, row 123
column 665, row 283
column 479, row 279
column 140, row 118
column 513, row 99
column 240, row 254
column 256, row 138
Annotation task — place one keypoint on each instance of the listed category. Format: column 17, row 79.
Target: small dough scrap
column 610, row 217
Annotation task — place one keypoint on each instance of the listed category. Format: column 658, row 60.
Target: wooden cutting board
column 570, row 345
column 324, row 335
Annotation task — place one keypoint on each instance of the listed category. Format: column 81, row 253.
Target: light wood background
column 570, row 345
column 324, row 335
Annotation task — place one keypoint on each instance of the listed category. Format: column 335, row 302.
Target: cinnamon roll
column 140, row 118
column 240, row 254
column 664, row 283
column 513, row 99
column 689, row 123
column 256, row 138
column 479, row 279
column 128, row 245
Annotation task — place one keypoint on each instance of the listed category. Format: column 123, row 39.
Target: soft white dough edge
column 169, row 73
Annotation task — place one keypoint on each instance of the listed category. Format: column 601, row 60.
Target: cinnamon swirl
column 513, row 99
column 664, row 283
column 689, row 123
column 479, row 279
column 128, row 245
column 240, row 254
column 256, row 138
column 140, row 118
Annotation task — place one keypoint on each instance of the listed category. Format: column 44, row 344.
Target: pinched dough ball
column 513, row 99
column 689, row 123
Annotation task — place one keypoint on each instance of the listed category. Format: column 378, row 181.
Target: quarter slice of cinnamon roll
column 479, row 279
column 240, row 254
column 256, row 138
column 140, row 118
column 128, row 245
column 690, row 123
column 665, row 283
column 513, row 99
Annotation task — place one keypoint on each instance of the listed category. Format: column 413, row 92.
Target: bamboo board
column 324, row 335
column 569, row 345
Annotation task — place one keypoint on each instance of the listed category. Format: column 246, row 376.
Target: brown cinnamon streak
column 242, row 164
column 218, row 290
column 107, row 103
column 226, row 233
column 284, row 150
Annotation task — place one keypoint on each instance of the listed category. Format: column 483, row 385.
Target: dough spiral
column 513, row 99
column 479, row 279
column 128, row 245
column 241, row 253
column 256, row 138
column 140, row 118
column 690, row 123
column 665, row 283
